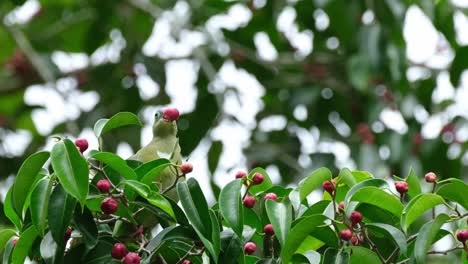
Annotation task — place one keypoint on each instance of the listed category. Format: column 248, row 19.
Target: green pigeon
column 164, row 144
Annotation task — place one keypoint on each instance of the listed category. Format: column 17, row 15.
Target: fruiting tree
column 98, row 208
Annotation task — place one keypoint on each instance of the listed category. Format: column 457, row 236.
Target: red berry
column 268, row 229
column 271, row 196
column 328, row 186
column 257, row 178
column 241, row 174
column 354, row 241
column 186, row 261
column 249, row 201
column 103, row 186
column 249, row 248
column 15, row 239
column 401, row 187
column 109, row 205
column 341, row 206
column 346, row 234
column 462, row 235
column 186, row 168
column 82, row 144
column 67, row 234
column 430, row 177
column 199, row 244
column 171, row 114
column 119, row 251
column 132, row 258
column 355, row 217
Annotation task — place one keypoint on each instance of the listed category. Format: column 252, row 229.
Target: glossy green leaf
column 455, row 191
column 121, row 119
column 371, row 182
column 10, row 212
column 458, row 65
column 414, row 187
column 346, row 177
column 231, row 207
column 71, row 169
column 142, row 189
column 215, row 236
column 306, row 186
column 147, row 168
column 417, row 206
column 83, row 221
column 161, row 202
column 311, row 257
column 362, row 255
column 5, row 236
column 149, row 177
column 231, row 247
column 25, row 179
column 60, row 213
column 40, row 203
column 50, row 251
column 213, row 155
column 7, row 251
column 298, row 233
column 392, row 232
column 23, row 245
column 265, row 185
column 116, row 163
column 426, row 236
column 333, row 256
column 280, row 215
column 378, row 197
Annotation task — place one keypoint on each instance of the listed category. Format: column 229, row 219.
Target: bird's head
column 165, row 123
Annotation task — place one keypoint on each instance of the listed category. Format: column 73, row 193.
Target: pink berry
column 401, row 187
column 241, row 174
column 355, row 217
column 268, row 229
column 462, row 235
column 249, row 248
column 430, row 177
column 257, row 178
column 82, row 144
column 249, row 201
column 341, row 206
column 186, row 261
column 15, row 240
column 328, row 186
column 271, row 196
column 119, row 251
column 109, row 205
column 67, row 234
column 103, row 186
column 132, row 258
column 171, row 114
column 186, row 168
column 346, row 234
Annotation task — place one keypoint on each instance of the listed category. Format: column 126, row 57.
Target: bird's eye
column 156, row 115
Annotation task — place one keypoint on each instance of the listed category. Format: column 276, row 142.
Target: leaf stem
column 373, row 246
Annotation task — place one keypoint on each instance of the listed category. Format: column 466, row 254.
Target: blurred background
column 289, row 85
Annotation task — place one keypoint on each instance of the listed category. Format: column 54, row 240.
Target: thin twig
column 373, row 246
column 445, row 252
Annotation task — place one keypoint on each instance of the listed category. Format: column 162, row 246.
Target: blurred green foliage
column 366, row 73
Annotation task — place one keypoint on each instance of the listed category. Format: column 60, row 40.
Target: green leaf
column 142, row 189
column 61, row 208
column 83, row 221
column 458, row 64
column 371, row 182
column 298, row 233
column 231, row 207
column 426, row 237
column 414, row 188
column 265, row 185
column 23, row 245
column 25, row 179
column 213, row 155
column 362, row 255
column 148, row 167
column 310, row 183
column 231, row 247
column 280, row 215
column 346, row 177
column 7, row 252
column 455, row 191
column 50, row 251
column 121, row 119
column 116, row 163
column 71, row 169
column 5, row 235
column 149, row 177
column 196, row 208
column 10, row 212
column 390, row 231
column 215, row 236
column 312, row 257
column 417, row 206
column 40, row 203
column 378, row 197
column 333, row 256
